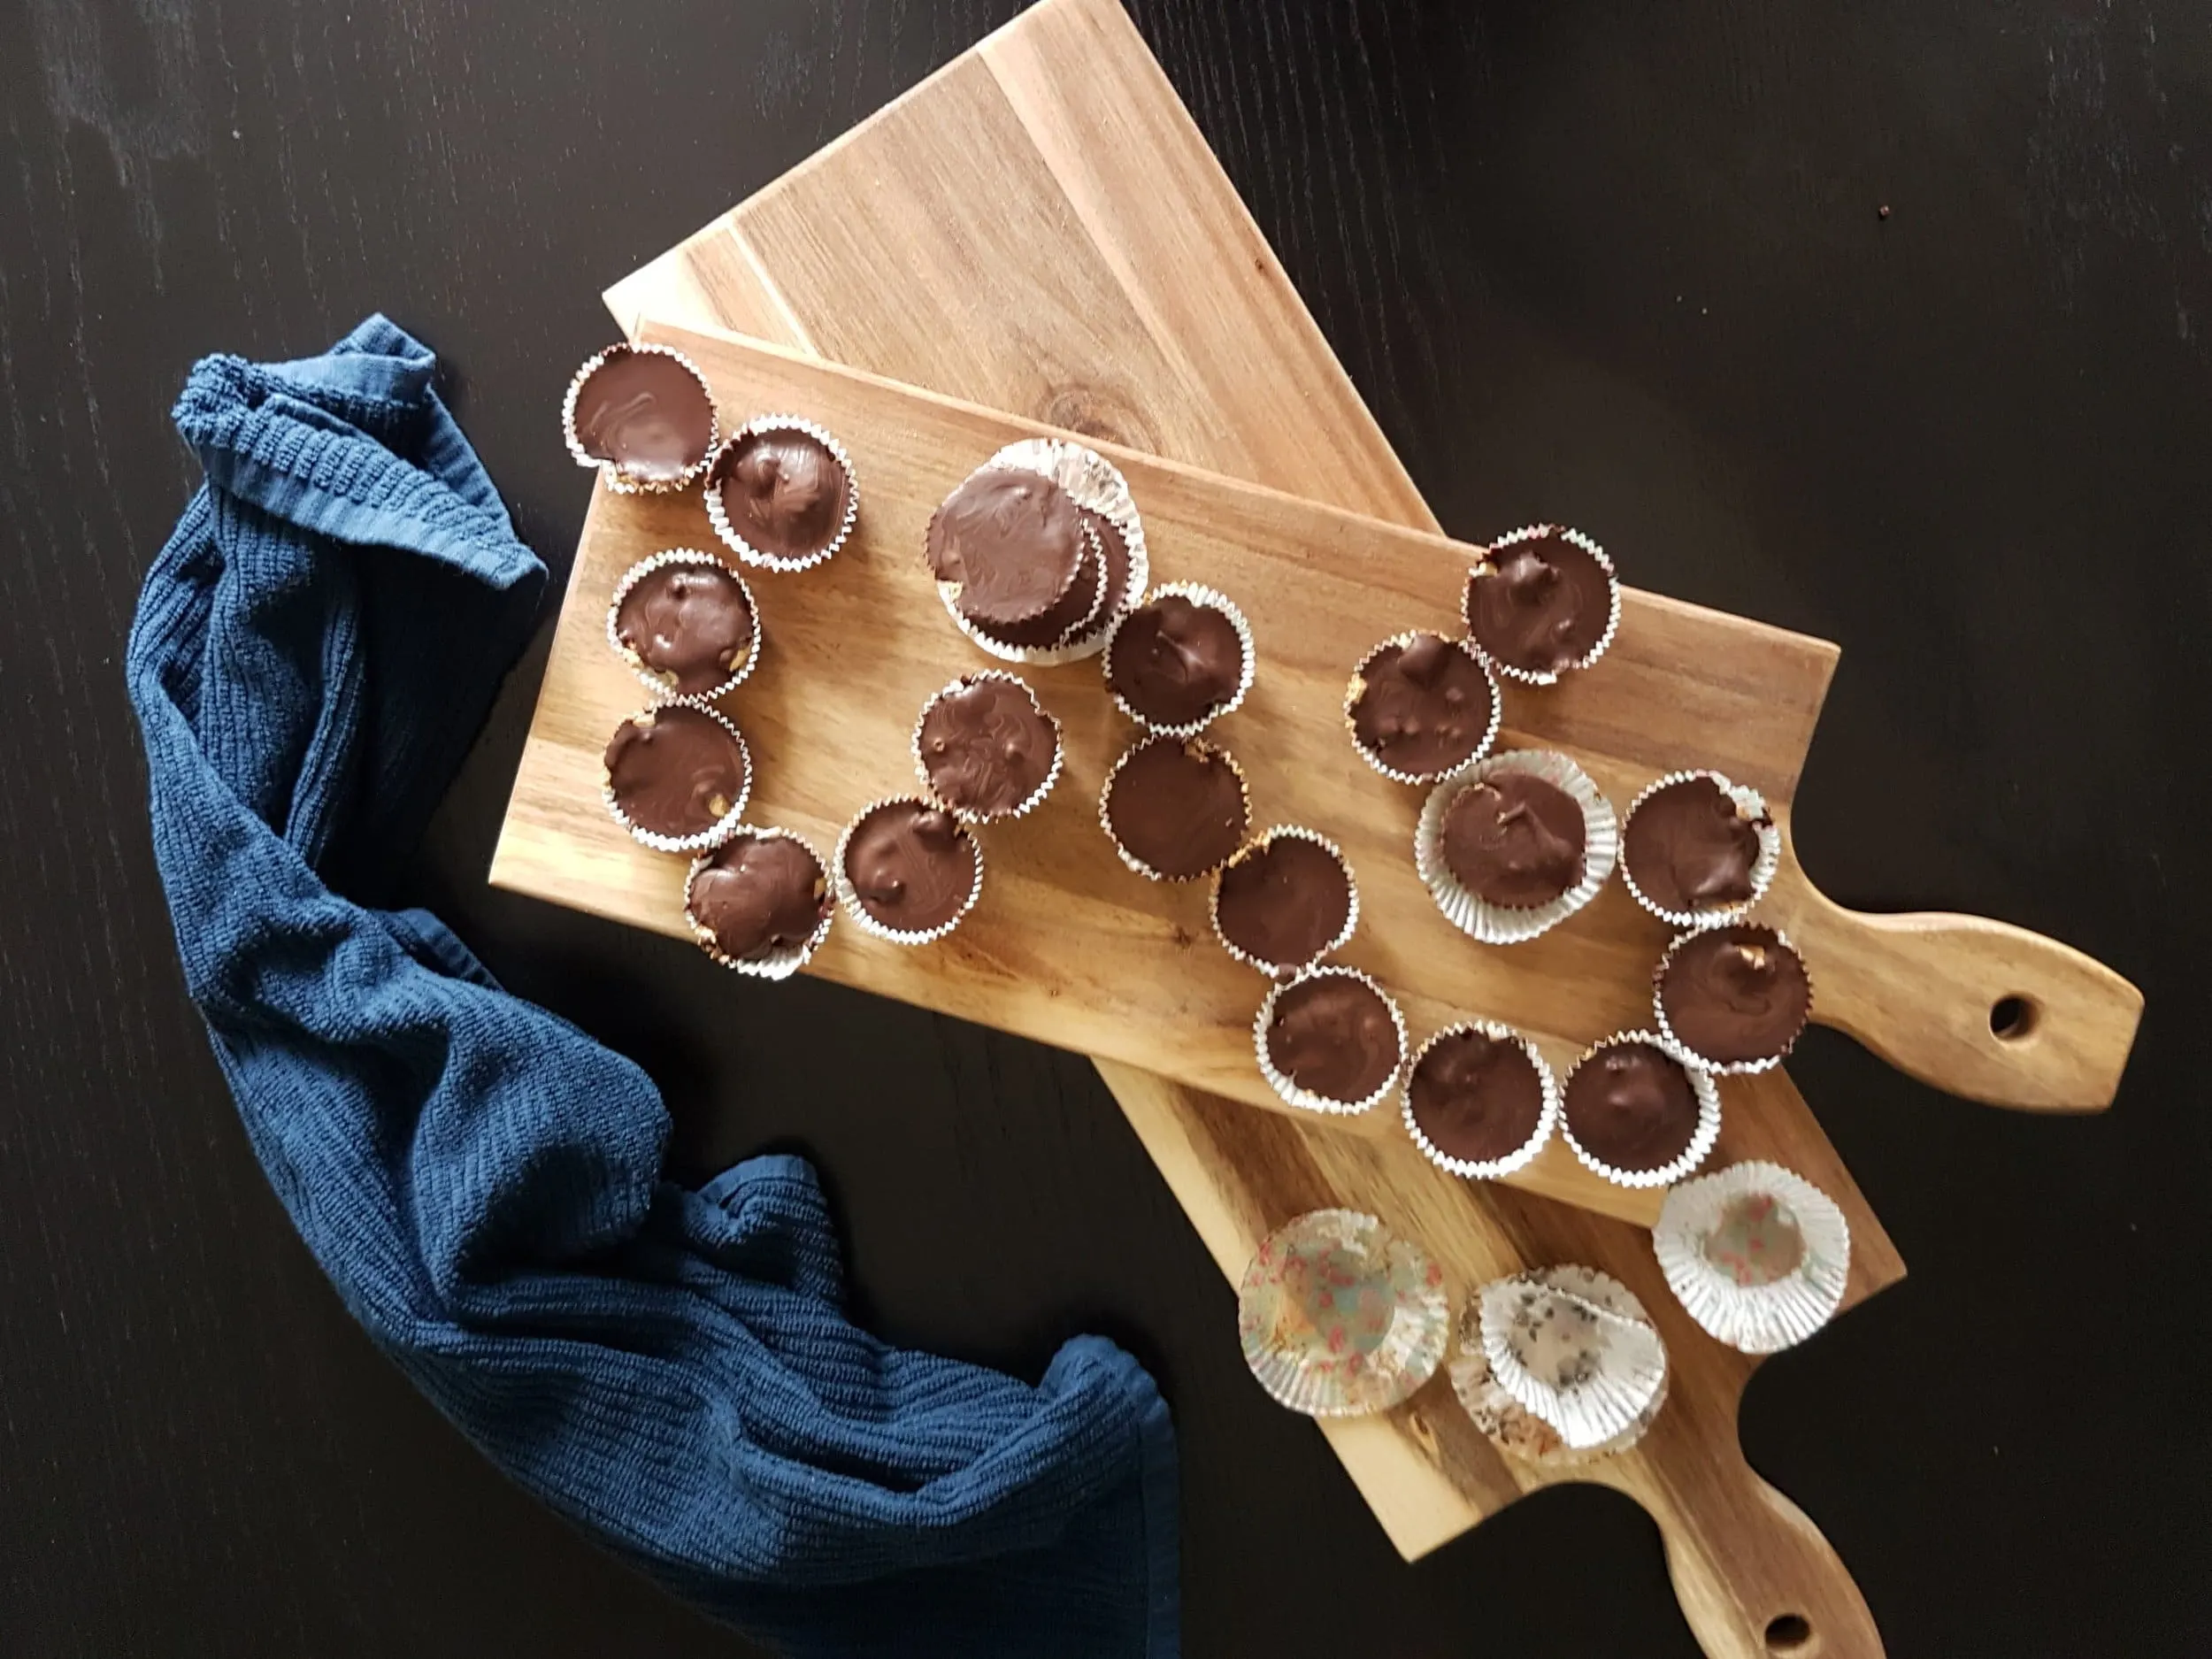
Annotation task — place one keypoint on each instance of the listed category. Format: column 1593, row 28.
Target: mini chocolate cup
column 1503, row 924
column 610, row 473
column 1211, row 599
column 1280, row 969
column 1681, row 1049
column 1531, row 677
column 1752, row 1307
column 1064, row 649
column 1522, row 1156
column 1097, row 485
column 848, row 897
column 1702, row 1138
column 637, row 573
column 1749, row 803
column 1106, row 822
column 1357, row 685
column 780, row 965
column 723, row 827
column 1037, row 795
column 718, row 515
column 1305, row 1099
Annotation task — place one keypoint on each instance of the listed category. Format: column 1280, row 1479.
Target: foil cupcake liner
column 1501, row 924
column 1096, row 483
column 1106, row 793
column 1275, row 970
column 1504, row 1421
column 1338, row 1316
column 1749, row 802
column 1564, row 1346
column 1306, row 1099
column 719, row 517
column 1037, row 795
column 780, row 965
column 1067, row 648
column 848, row 897
column 1702, row 1138
column 1531, row 677
column 662, row 560
column 1681, row 1049
column 1357, row 684
column 723, row 827
column 1198, row 594
column 1709, row 1236
column 1522, row 1156
column 609, row 473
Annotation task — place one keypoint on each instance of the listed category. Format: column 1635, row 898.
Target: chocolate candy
column 1176, row 661
column 1284, row 901
column 756, row 897
column 1630, row 1105
column 1735, row 994
column 986, row 746
column 1012, row 541
column 1542, row 604
column 1422, row 707
column 1515, row 840
column 686, row 625
column 911, row 866
column 1332, row 1034
column 1176, row 805
column 785, row 495
column 644, row 413
column 676, row 772
column 1073, row 611
column 1476, row 1097
column 1687, row 847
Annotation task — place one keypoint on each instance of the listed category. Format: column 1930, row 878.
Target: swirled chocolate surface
column 987, row 746
column 758, row 896
column 1735, row 994
column 1514, row 839
column 912, row 866
column 675, row 771
column 689, row 624
column 1687, row 846
column 1421, row 708
column 783, row 490
column 1540, row 605
column 1631, row 1106
column 644, row 413
column 1475, row 1096
column 1333, row 1035
column 1012, row 541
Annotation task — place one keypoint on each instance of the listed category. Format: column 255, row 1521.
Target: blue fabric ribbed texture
column 313, row 650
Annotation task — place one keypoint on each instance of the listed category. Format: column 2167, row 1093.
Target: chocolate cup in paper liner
column 1701, row 1139
column 1532, row 677
column 1106, row 795
column 1211, row 599
column 1308, row 1099
column 1755, row 1254
column 1036, row 796
column 1505, row 1422
column 723, row 827
column 1357, row 685
column 718, row 515
column 1338, row 1317
column 1260, row 842
column 609, row 472
column 1565, row 1347
column 1730, row 1068
column 1064, row 649
column 1522, row 1156
column 1748, row 801
column 1096, row 484
column 779, row 964
column 652, row 680
column 1499, row 924
column 848, row 897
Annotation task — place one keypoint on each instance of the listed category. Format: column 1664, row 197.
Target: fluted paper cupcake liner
column 1501, row 924
column 662, row 560
column 1702, row 1139
column 1681, row 1049
column 1574, row 1358
column 1531, row 677
column 1510, row 1426
column 777, row 964
column 1067, row 648
column 1736, row 1299
column 1753, row 806
column 1338, row 1316
column 1106, row 793
column 1257, row 843
column 1037, row 795
column 1212, row 598
column 723, row 827
column 611, row 473
column 1096, row 483
column 1304, row 1098
column 1522, row 1156
column 848, row 897
column 1357, row 684
column 718, row 515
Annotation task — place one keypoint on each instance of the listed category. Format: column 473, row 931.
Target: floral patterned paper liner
column 718, row 515
column 1720, row 1293
column 1213, row 599
column 1066, row 648
column 1702, row 1139
column 1511, row 1427
column 1106, row 793
column 1566, row 1347
column 1355, row 686
column 1500, row 924
column 1682, row 1051
column 780, row 965
column 1530, row 532
column 662, row 560
column 1522, row 1156
column 723, row 827
column 610, row 472
column 1276, row 970
column 1097, row 484
column 1037, row 795
column 1306, row 1099
column 1337, row 1316
column 848, row 897
column 1749, row 801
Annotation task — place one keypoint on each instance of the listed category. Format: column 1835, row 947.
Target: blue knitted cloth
column 314, row 648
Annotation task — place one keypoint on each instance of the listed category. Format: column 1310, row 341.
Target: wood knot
column 1097, row 413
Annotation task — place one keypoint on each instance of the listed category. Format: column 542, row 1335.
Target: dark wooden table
column 1891, row 322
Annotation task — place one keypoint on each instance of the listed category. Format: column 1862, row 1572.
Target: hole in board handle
column 1789, row 1633
column 2013, row 1017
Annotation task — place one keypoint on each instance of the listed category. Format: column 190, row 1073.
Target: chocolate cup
column 849, row 895
column 1728, row 1068
column 611, row 472
column 733, row 537
column 1504, row 925
column 1543, row 677
column 1308, row 1099
column 1036, row 796
column 1266, row 838
column 1702, row 1136
column 1211, row 599
column 780, row 965
column 1521, row 1156
column 663, row 560
column 724, row 827
column 1356, row 688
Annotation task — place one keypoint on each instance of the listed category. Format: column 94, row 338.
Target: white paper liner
column 848, row 897
column 662, row 560
column 1567, row 1349
column 1338, row 1316
column 1702, row 1138
column 1213, row 599
column 1752, row 805
column 1106, row 793
column 718, row 515
column 777, row 964
column 1096, row 483
column 610, row 472
column 1258, row 843
column 1499, row 924
column 1504, row 1421
column 1354, row 687
column 1522, row 1156
column 723, row 827
column 1730, row 1068
column 1757, row 1318
column 1306, row 1099
column 1531, row 677
column 1036, row 796
column 1067, row 647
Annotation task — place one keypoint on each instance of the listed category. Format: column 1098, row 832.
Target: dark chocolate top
column 913, row 866
column 1514, row 839
column 689, row 624
column 1074, row 610
column 1177, row 805
column 1176, row 661
column 1540, row 605
column 1735, row 994
column 1476, row 1097
column 1422, row 708
column 1284, row 900
column 1631, row 1106
column 1014, row 542
column 1688, row 848
column 783, row 490
column 759, row 895
column 675, row 771
column 646, row 413
column 986, row 747
column 1332, row 1036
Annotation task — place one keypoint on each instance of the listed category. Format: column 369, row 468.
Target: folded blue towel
column 314, row 648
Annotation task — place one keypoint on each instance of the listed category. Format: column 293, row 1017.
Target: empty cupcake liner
column 1066, row 648
column 1106, row 793
column 1725, row 1240
column 1571, row 1347
column 1499, row 924
column 1509, row 1426
column 1037, row 795
column 1749, row 802
column 718, row 515
column 848, row 897
column 1351, row 911
column 609, row 473
column 1702, row 1138
column 780, row 965
column 1338, row 1316
column 1097, row 484
column 1357, row 684
column 637, row 573
column 723, row 827
column 1198, row 594
column 1522, row 1156
column 1306, row 1099
column 1529, row 533
column 1682, row 1051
